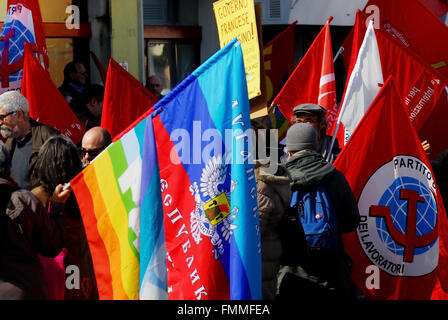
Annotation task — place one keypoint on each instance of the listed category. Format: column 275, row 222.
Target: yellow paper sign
column 236, row 19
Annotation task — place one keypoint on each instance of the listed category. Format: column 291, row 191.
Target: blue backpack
column 318, row 217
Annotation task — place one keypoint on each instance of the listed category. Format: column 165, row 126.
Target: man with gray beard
column 24, row 135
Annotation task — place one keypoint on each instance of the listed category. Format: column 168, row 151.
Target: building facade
column 169, row 38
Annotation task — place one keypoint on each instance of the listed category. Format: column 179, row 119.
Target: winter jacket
column 322, row 274
column 274, row 195
column 27, row 229
column 309, row 169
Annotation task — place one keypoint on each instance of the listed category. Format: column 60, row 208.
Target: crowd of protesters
column 42, row 232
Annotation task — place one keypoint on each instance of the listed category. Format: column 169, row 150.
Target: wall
column 127, row 35
column 100, row 42
column 210, row 38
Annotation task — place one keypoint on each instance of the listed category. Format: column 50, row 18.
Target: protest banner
column 237, row 19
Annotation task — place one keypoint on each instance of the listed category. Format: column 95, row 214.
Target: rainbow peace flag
column 116, row 219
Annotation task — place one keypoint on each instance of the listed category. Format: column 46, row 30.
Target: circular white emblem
column 398, row 229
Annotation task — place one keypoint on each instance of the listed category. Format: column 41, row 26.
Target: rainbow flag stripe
column 279, row 122
column 110, row 212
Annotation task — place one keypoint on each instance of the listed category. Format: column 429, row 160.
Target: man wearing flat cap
column 315, row 115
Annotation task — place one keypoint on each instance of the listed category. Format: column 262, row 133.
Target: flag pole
column 341, row 49
column 333, row 138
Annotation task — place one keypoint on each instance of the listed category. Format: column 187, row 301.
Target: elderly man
column 314, row 115
column 93, row 142
column 24, row 135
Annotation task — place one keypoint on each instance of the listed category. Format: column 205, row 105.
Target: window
column 172, row 53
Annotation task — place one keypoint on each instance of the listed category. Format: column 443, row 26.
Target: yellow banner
column 236, row 19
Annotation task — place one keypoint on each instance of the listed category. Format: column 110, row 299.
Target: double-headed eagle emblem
column 213, row 217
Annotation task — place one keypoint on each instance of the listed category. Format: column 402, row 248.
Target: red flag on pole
column 47, row 105
column 23, row 24
column 419, row 85
column 125, row 99
column 313, row 80
column 399, row 248
column 416, row 27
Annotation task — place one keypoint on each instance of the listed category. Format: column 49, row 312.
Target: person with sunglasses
column 24, row 136
column 94, row 141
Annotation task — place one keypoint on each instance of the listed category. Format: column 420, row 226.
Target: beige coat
column 274, row 195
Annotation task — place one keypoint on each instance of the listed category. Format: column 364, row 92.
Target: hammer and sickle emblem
column 409, row 240
column 6, row 68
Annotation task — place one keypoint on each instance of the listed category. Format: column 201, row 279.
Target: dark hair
column 69, row 68
column 58, row 162
column 95, row 91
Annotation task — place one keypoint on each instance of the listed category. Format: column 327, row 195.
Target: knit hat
column 310, row 108
column 301, row 136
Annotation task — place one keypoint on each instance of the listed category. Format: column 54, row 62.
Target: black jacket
column 318, row 274
column 309, row 169
column 26, row 230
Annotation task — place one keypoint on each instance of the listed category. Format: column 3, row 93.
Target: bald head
column 155, row 85
column 94, row 141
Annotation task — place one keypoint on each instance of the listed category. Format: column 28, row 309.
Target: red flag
column 313, row 80
column 435, row 130
column 47, row 105
column 279, row 60
column 125, row 100
column 278, row 65
column 416, row 27
column 23, row 23
column 439, row 7
column 399, row 248
column 419, row 84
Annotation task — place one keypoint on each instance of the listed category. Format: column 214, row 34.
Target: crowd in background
column 42, row 233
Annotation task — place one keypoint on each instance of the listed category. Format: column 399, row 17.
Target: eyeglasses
column 92, row 152
column 3, row 116
column 306, row 120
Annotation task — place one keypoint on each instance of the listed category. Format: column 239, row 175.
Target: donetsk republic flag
column 403, row 228
column 189, row 231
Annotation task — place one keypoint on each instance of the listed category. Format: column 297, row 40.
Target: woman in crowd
column 57, row 163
